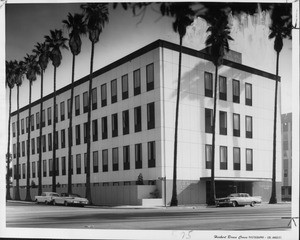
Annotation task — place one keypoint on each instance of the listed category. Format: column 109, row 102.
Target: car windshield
column 74, row 195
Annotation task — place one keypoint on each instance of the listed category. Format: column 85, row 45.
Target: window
column 208, row 84
column 38, row 145
column 78, row 163
column 77, row 132
column 125, row 86
column 223, row 88
column 114, row 91
column 85, row 102
column 103, row 95
column 126, row 157
column 63, row 165
column 223, row 123
column 95, row 162
column 69, row 107
column 138, row 156
column 62, row 111
column 236, row 91
column 85, row 162
column 44, row 168
column 208, row 120
column 151, row 154
column 236, row 158
column 22, row 127
column 94, row 98
column 37, row 118
column 236, row 125
column 50, row 142
column 125, row 119
column 50, row 167
column 137, row 119
column 43, row 118
column 115, row 159
column 137, row 82
column 249, row 159
column 27, row 125
column 63, row 138
column 56, row 140
column 32, row 122
column 95, row 130
column 23, row 171
column 23, row 148
column 32, row 146
column 77, row 105
column 248, row 127
column 223, row 157
column 18, row 149
column 14, row 129
column 33, row 169
column 208, row 156
column 48, row 115
column 248, row 91
column 44, row 143
column 38, row 169
column 104, row 127
column 70, row 136
column 150, row 115
column 105, row 160
column 114, row 125
column 56, row 167
column 56, row 113
column 85, row 131
column 150, row 76
column 14, row 150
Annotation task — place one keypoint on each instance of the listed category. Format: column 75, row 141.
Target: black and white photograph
column 149, row 120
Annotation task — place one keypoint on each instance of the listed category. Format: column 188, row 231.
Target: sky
column 27, row 24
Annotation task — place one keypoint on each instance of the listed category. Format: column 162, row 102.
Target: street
column 261, row 217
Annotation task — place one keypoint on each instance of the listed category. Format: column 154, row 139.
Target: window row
column 80, row 168
column 208, row 85
column 224, row 158
column 223, row 123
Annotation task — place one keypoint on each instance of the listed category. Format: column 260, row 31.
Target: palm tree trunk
column 41, row 132
column 28, row 197
column 70, row 130
column 174, row 200
column 212, row 194
column 17, row 192
column 8, row 197
column 273, row 198
column 53, row 135
column 88, row 134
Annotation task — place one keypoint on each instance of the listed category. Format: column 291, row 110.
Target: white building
column 133, row 121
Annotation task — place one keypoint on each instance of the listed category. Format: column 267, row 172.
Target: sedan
column 70, row 200
column 238, row 199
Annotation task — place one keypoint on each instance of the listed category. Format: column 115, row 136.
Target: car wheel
column 234, row 204
column 46, row 202
column 252, row 204
column 37, row 202
column 54, row 203
column 66, row 203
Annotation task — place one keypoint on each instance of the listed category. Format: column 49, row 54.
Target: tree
column 56, row 41
column 32, row 69
column 10, row 82
column 96, row 15
column 42, row 52
column 19, row 70
column 281, row 27
column 75, row 24
column 218, row 43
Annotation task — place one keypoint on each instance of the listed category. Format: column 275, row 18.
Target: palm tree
column 218, row 43
column 96, row 15
column 76, row 25
column 19, row 71
column 56, row 41
column 32, row 69
column 42, row 51
column 10, row 82
column 281, row 28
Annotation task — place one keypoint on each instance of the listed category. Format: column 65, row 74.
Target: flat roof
column 156, row 44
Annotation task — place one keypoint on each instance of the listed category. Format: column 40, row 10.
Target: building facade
column 133, row 118
column 286, row 128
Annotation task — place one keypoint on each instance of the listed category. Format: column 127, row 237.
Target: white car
column 238, row 199
column 70, row 199
column 46, row 197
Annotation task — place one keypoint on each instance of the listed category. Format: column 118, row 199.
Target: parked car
column 70, row 199
column 46, row 197
column 238, row 199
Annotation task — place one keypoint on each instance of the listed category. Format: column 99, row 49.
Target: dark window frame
column 103, row 95
column 138, row 152
column 223, row 130
column 114, row 92
column 151, row 115
column 138, row 119
column 223, row 95
column 236, row 98
column 137, row 82
column 105, row 163
column 77, row 105
column 62, row 111
column 104, row 128
column 249, row 167
column 126, row 157
column 248, row 101
column 208, row 163
column 249, row 134
column 151, row 154
column 223, row 164
column 94, row 99
column 150, row 84
column 208, row 91
column 237, row 164
column 125, row 87
column 85, row 99
column 77, row 134
column 208, row 120
column 125, row 121
column 114, row 125
column 115, row 156
column 95, row 130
